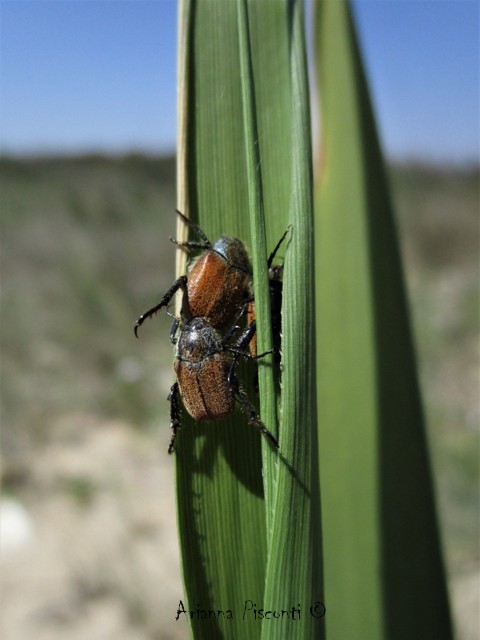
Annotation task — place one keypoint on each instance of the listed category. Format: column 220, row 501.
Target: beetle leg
column 240, row 346
column 240, row 349
column 190, row 223
column 246, row 337
column 174, row 327
column 191, row 245
column 272, row 255
column 173, row 330
column 234, row 326
column 246, row 354
column 181, row 283
column 253, row 417
column 174, row 415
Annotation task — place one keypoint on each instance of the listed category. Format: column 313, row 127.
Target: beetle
column 206, row 378
column 275, row 275
column 217, row 283
column 217, row 287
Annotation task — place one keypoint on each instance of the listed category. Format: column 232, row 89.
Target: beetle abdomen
column 204, row 388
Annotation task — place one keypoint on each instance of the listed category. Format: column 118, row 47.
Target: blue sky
column 99, row 75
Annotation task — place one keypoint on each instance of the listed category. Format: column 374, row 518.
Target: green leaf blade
column 294, row 563
column 219, row 482
column 228, row 528
column 382, row 551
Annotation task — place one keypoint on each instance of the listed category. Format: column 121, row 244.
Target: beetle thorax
column 234, row 252
column 198, row 340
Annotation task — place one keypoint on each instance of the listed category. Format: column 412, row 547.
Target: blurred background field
column 88, row 513
column 88, row 532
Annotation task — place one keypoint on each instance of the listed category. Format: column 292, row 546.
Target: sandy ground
column 94, row 552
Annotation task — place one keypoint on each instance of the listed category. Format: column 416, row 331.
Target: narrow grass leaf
column 294, row 560
column 220, row 502
column 381, row 545
column 258, row 239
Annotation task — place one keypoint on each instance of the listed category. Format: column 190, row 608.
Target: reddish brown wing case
column 204, row 388
column 215, row 289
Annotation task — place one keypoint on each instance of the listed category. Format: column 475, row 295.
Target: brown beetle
column 216, row 289
column 206, row 377
column 217, row 283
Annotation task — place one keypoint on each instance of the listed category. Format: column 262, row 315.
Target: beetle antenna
column 272, row 255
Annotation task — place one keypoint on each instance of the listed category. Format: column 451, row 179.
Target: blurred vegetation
column 437, row 210
column 86, row 250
